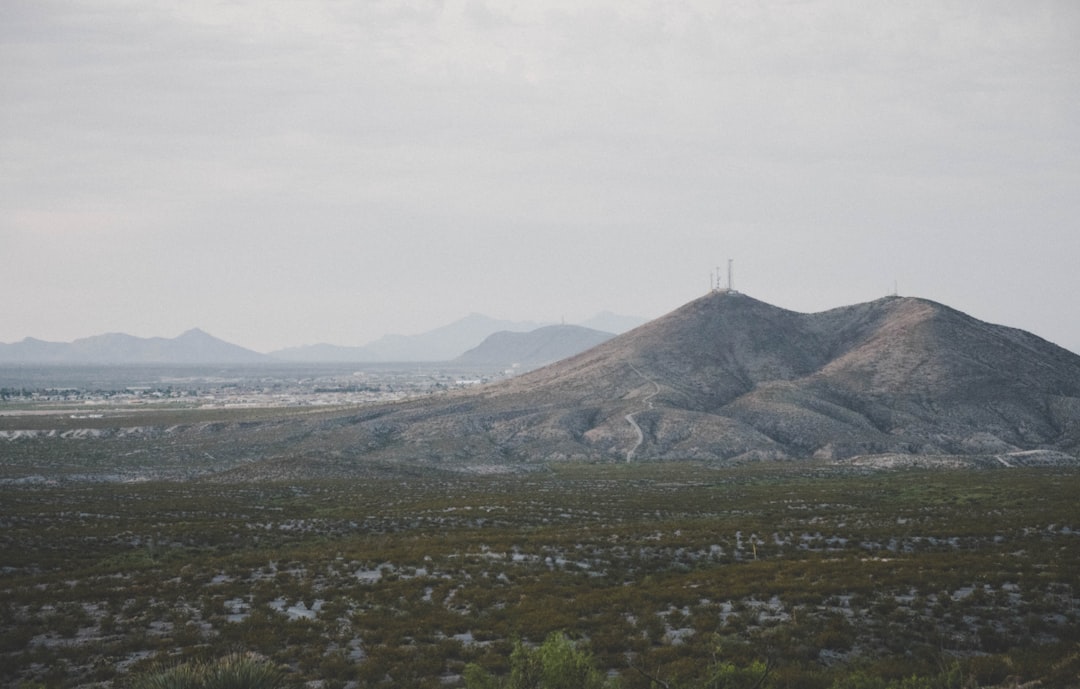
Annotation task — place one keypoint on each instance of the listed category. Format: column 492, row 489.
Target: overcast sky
column 284, row 173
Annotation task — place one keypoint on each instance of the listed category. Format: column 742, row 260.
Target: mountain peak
column 196, row 333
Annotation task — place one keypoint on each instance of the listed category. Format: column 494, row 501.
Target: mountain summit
column 727, row 377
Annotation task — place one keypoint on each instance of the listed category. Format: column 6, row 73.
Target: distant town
column 83, row 389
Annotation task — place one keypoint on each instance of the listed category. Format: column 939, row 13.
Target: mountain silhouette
column 533, row 348
column 192, row 347
column 441, row 344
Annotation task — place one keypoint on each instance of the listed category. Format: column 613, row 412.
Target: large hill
column 730, row 378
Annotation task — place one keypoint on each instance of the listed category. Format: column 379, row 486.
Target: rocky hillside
column 727, row 377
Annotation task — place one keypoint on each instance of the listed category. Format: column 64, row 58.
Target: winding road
column 647, row 402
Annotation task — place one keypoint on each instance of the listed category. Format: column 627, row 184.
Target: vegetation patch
column 648, row 576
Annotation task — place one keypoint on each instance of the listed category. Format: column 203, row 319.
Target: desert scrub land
column 827, row 577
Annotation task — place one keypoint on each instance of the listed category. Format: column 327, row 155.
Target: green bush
column 730, row 676
column 555, row 664
column 861, row 679
column 235, row 671
column 186, row 676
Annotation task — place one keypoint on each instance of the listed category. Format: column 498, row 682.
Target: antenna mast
column 716, row 279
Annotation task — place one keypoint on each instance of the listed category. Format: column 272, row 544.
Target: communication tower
column 715, row 282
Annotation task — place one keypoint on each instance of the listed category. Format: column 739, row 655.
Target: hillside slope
column 727, row 377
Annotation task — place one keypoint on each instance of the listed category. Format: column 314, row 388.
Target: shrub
column 731, row 676
column 555, row 664
column 235, row 671
column 184, row 676
column 860, row 680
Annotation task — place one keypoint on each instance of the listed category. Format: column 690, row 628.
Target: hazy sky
column 284, row 172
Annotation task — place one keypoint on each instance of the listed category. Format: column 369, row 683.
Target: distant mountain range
column 449, row 342
column 192, row 347
column 198, row 347
column 534, row 348
column 440, row 344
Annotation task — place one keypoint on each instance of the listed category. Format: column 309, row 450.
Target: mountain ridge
column 439, row 344
column 193, row 346
column 729, row 378
column 538, row 347
column 444, row 343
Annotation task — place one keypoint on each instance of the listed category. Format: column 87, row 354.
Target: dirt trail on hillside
column 647, row 404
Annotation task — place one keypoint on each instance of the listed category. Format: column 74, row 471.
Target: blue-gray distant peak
column 441, row 344
column 533, row 348
column 194, row 346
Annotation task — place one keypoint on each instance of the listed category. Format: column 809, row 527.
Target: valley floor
column 657, row 570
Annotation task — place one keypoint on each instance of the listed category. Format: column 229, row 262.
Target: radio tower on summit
column 715, row 279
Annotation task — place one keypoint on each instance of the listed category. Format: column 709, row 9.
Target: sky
column 281, row 173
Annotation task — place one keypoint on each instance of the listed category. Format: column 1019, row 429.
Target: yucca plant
column 234, row 671
column 243, row 671
column 185, row 676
